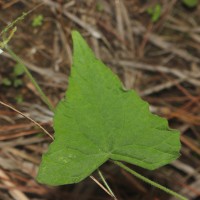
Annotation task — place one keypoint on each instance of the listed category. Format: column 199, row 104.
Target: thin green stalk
column 20, row 18
column 9, row 26
column 150, row 181
column 106, row 184
column 18, row 60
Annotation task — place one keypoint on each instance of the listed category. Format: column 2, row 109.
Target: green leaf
column 6, row 82
column 37, row 21
column 17, row 82
column 19, row 99
column 99, row 120
column 155, row 12
column 190, row 3
column 18, row 70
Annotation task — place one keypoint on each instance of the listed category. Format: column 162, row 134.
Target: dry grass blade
column 15, row 193
column 37, row 124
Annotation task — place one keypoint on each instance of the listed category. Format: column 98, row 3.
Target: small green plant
column 19, row 99
column 6, row 82
column 99, row 7
column 37, row 21
column 100, row 121
column 17, row 82
column 18, row 70
column 190, row 3
column 155, row 12
column 9, row 31
column 15, row 78
column 7, row 34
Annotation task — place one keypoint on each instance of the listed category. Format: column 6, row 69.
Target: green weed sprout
column 155, row 12
column 190, row 3
column 37, row 21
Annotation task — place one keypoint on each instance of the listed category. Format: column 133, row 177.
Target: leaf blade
column 100, row 120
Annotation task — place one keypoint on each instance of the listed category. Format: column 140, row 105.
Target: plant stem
column 100, row 185
column 106, row 184
column 18, row 60
column 150, row 181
